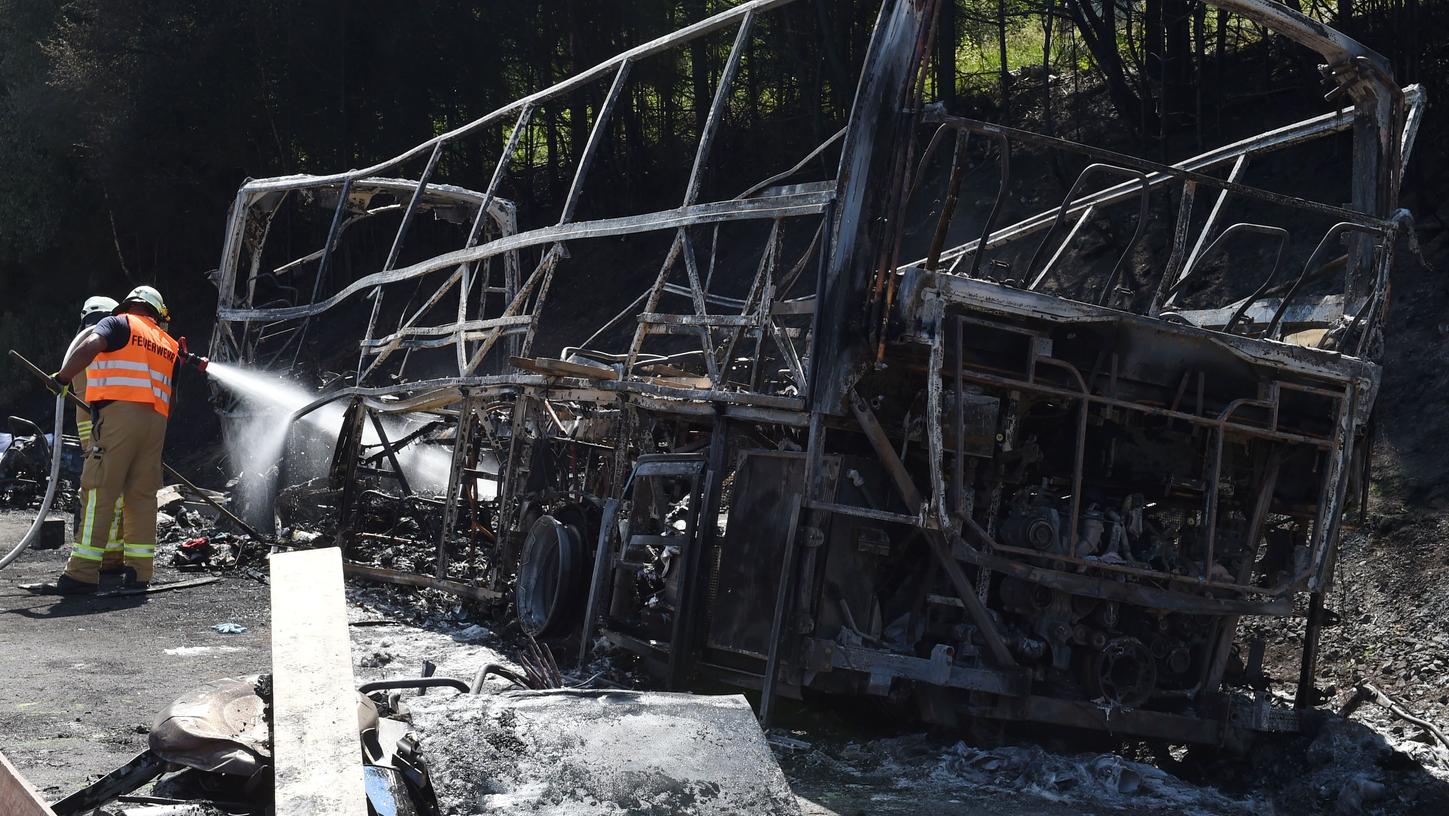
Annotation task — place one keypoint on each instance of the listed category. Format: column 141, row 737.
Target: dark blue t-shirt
column 115, row 330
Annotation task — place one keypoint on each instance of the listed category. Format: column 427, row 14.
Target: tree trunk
column 1046, row 66
column 1152, row 29
column 839, row 84
column 1001, row 49
column 346, row 141
column 695, row 10
column 946, row 43
column 1220, row 48
column 1411, row 42
column 1154, row 58
column 1177, row 68
column 578, row 100
column 1199, row 47
column 1048, row 110
column 1099, row 33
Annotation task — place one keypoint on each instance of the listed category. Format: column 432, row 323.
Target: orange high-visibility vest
column 139, row 372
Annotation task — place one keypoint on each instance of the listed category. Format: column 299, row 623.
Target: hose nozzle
column 188, row 357
column 196, row 360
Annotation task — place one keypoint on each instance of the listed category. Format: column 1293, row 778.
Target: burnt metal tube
column 501, row 671
column 414, row 683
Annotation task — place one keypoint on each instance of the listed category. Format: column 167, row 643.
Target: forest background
column 127, row 125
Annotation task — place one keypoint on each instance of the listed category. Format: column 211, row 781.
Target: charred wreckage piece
column 1007, row 481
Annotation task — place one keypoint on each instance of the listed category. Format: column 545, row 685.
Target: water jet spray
column 259, row 436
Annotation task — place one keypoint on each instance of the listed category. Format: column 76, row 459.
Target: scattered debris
column 239, row 729
column 229, row 628
column 193, row 554
column 168, row 497
column 781, row 742
column 25, row 454
column 197, row 651
column 1368, row 691
column 1095, row 778
column 910, row 768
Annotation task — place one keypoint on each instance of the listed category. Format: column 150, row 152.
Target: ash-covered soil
column 1392, row 596
column 81, row 681
column 85, row 680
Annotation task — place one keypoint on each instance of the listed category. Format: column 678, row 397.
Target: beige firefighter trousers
column 124, row 463
column 113, row 558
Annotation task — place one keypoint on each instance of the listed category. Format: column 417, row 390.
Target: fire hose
column 55, row 453
column 55, row 456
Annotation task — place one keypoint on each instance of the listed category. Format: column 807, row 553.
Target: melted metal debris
column 608, row 753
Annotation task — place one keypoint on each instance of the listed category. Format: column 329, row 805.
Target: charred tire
column 551, row 578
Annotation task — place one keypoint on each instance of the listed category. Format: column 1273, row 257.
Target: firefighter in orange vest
column 93, row 311
column 129, row 361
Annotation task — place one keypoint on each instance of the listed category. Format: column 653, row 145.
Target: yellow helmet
column 149, row 296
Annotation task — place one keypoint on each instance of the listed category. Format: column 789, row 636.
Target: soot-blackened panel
column 767, row 484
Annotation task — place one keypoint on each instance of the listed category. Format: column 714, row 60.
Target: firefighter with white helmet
column 129, row 361
column 95, row 309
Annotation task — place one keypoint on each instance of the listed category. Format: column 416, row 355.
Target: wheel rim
column 549, row 575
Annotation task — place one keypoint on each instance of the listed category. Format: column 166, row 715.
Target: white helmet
column 97, row 305
column 149, row 296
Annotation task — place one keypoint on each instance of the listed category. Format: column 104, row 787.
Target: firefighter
column 93, row 311
column 129, row 361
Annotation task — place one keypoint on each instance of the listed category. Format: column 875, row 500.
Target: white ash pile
column 915, row 768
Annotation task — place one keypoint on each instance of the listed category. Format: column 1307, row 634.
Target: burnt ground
column 81, row 681
column 1392, row 591
column 85, row 679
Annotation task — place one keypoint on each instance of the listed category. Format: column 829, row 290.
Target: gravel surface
column 83, row 679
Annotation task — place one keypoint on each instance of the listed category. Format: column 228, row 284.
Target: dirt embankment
column 1392, row 581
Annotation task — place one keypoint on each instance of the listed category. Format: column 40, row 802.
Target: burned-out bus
column 863, row 427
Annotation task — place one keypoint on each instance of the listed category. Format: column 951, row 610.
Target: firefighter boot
column 128, row 579
column 64, row 585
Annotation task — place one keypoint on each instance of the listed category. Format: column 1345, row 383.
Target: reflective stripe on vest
column 140, row 371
